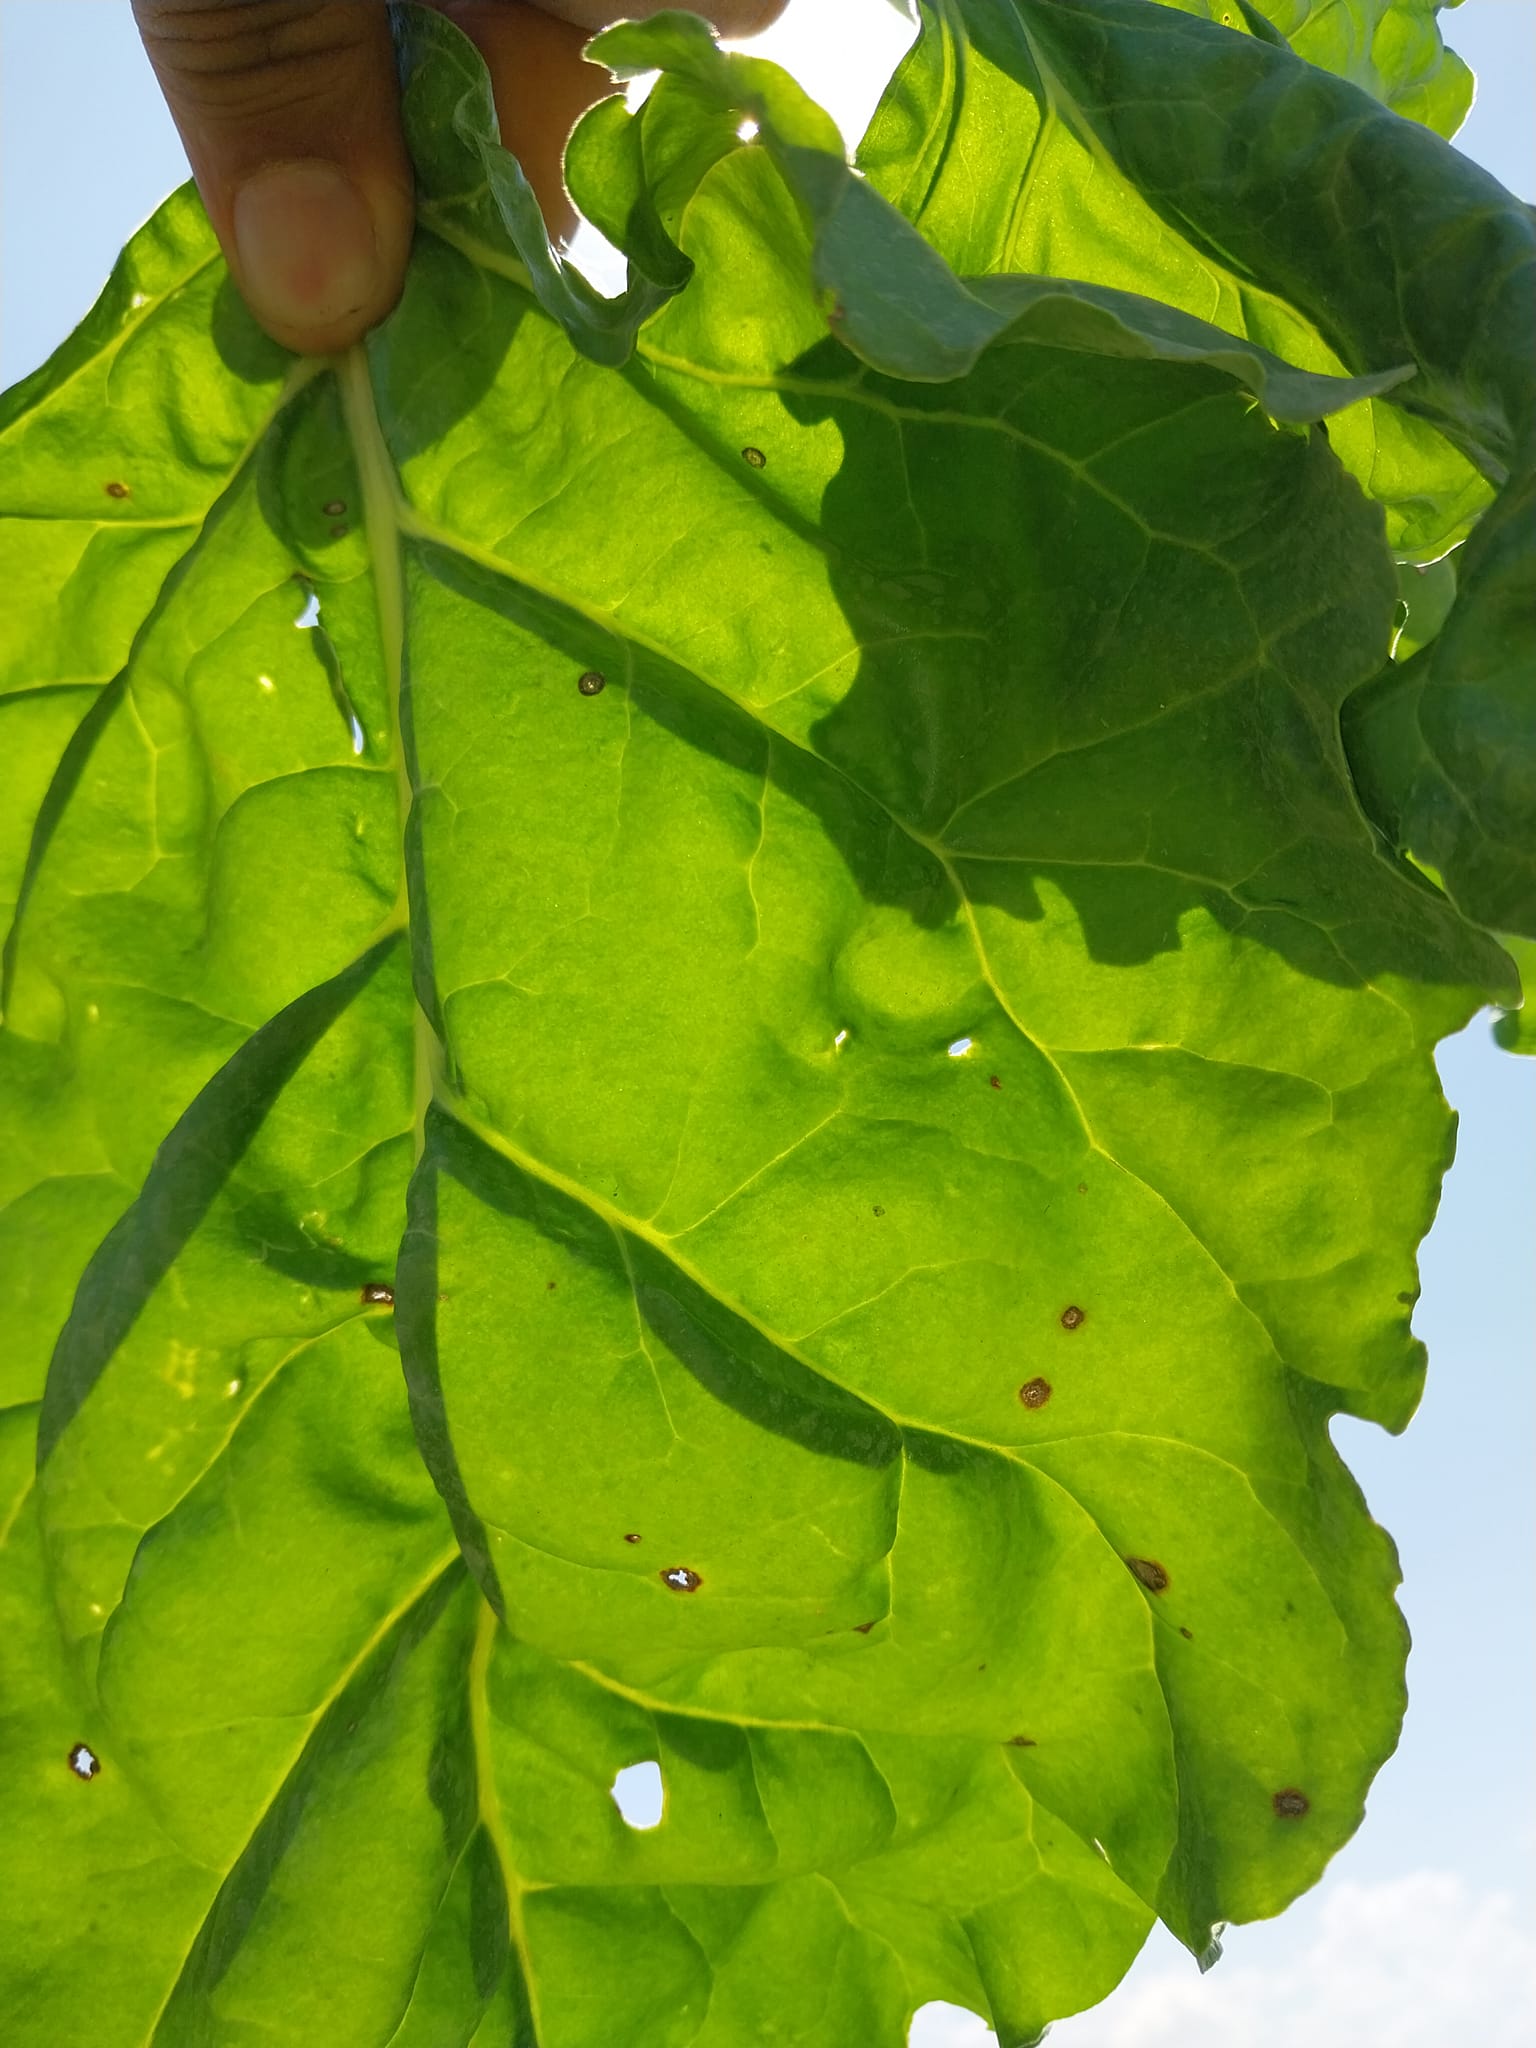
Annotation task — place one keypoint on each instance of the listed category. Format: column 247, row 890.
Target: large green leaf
column 708, row 1063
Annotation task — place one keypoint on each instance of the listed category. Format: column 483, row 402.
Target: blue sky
column 1420, row 1933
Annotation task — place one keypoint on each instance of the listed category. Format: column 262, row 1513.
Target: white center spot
column 747, row 132
column 266, row 683
column 960, row 1048
column 637, row 1793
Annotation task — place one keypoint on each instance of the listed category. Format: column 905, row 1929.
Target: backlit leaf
column 708, row 1063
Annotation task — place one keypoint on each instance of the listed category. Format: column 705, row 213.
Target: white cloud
column 1423, row 1961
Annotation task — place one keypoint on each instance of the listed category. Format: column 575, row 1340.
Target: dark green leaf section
column 1444, row 746
column 887, row 1076
column 1146, row 143
column 1442, row 271
column 1318, row 220
column 892, row 300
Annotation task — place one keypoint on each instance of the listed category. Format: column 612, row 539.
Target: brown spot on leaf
column 1074, row 1317
column 1021, row 1742
column 754, row 458
column 117, row 490
column 1035, row 1393
column 1188, row 1634
column 632, row 1537
column 549, row 1286
column 377, row 1294
column 681, row 1580
column 340, row 530
column 1149, row 1572
column 1407, row 1300
column 878, row 1210
column 592, row 683
column 1291, row 1804
column 862, row 1628
column 334, row 507
column 84, row 1761
column 993, row 1081
column 1082, row 1187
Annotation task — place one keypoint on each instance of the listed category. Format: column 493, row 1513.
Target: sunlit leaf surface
column 707, row 1062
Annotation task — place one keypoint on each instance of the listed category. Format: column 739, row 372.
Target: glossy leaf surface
column 711, row 1065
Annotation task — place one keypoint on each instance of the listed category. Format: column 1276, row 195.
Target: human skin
column 289, row 111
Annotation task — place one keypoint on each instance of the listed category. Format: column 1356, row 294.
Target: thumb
column 289, row 113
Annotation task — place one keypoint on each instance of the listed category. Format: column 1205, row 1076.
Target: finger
column 289, row 111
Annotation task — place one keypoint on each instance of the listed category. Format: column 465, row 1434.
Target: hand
column 289, row 113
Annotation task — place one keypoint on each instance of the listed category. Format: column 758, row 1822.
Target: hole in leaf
column 960, row 1047
column 747, row 132
column 681, row 1580
column 940, row 2025
column 84, row 1761
column 841, row 1037
column 310, row 616
column 637, row 1793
